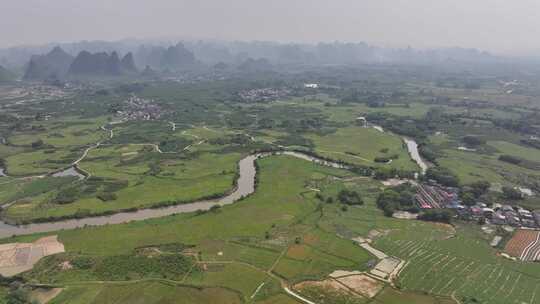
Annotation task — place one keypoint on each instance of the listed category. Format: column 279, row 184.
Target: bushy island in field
column 360, row 223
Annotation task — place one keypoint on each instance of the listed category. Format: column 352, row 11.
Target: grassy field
column 61, row 142
column 69, row 131
column 516, row 150
column 173, row 178
column 471, row 166
column 41, row 161
column 349, row 112
column 236, row 252
column 362, row 145
column 144, row 292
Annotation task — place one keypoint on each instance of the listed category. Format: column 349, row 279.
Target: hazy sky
column 509, row 26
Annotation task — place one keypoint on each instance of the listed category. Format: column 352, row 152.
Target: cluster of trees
column 102, row 188
column 107, row 196
column 295, row 140
column 384, row 173
column 349, row 197
column 173, row 144
column 443, row 176
column 511, row 193
column 428, row 154
column 470, row 193
column 236, row 139
column 132, row 266
column 535, row 143
column 345, row 196
column 526, row 124
column 510, row 159
column 37, row 144
column 473, row 141
column 436, row 215
column 397, row 198
column 67, row 195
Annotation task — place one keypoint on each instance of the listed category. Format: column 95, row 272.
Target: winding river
column 412, row 146
column 245, row 186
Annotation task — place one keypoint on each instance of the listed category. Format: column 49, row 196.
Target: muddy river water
column 412, row 146
column 245, row 186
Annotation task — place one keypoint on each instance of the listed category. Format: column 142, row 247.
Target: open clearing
column 20, row 257
column 362, row 284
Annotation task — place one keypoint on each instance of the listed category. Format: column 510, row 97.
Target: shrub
column 37, row 144
column 512, row 193
column 443, row 176
column 473, row 141
column 215, row 208
column 510, row 159
column 350, row 197
column 439, row 215
column 107, row 196
column 67, row 196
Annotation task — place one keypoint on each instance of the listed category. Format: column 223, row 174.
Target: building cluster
column 33, row 93
column 311, row 85
column 137, row 108
column 499, row 214
column 434, row 196
column 264, row 95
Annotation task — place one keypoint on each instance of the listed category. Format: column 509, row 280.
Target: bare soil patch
column 297, row 252
column 327, row 284
column 16, row 258
column 343, row 273
column 362, row 284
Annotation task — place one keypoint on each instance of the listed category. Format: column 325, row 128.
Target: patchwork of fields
column 294, row 231
column 436, row 269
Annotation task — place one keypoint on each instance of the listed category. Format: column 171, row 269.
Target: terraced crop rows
column 433, row 270
column 525, row 244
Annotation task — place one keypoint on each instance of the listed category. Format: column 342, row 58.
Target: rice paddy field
column 463, row 266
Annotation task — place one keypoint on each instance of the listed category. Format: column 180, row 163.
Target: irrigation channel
column 245, row 186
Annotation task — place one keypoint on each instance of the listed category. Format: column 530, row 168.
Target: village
column 263, row 95
column 137, row 108
column 434, row 196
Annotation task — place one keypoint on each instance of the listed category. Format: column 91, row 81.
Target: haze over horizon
column 498, row 26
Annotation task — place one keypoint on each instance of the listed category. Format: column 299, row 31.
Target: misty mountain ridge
column 188, row 54
column 102, row 64
column 6, row 75
column 53, row 65
column 173, row 57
